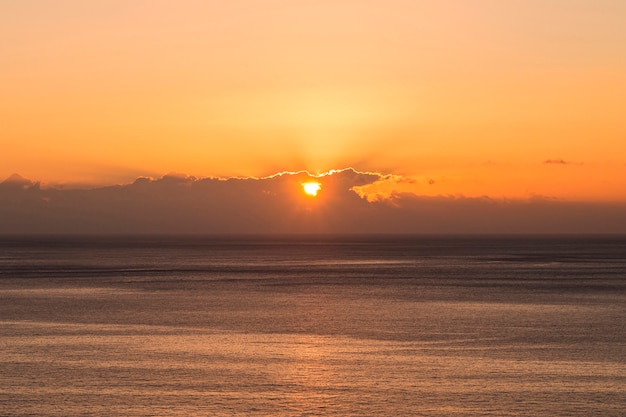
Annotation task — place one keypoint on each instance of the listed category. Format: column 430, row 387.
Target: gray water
column 346, row 326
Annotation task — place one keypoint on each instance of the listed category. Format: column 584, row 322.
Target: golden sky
column 516, row 99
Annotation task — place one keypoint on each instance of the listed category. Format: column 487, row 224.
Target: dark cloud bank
column 182, row 205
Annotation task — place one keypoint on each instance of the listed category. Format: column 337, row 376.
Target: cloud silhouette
column 16, row 181
column 560, row 162
column 181, row 204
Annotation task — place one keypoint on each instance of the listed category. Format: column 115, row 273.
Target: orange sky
column 500, row 98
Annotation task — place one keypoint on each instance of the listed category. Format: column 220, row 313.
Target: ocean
column 313, row 326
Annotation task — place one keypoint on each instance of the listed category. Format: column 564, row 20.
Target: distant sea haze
column 278, row 205
column 318, row 325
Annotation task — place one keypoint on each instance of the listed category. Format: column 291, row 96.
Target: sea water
column 313, row 326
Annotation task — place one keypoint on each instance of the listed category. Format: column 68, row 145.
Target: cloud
column 560, row 162
column 177, row 203
column 445, row 214
column 16, row 181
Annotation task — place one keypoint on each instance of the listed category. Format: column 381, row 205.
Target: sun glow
column 311, row 188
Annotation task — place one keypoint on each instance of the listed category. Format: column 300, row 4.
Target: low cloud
column 16, row 181
column 560, row 162
column 556, row 161
column 177, row 203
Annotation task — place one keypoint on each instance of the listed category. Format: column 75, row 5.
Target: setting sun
column 311, row 188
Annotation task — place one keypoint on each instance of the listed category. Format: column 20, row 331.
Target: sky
column 513, row 100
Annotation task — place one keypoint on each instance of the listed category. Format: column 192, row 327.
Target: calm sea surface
column 361, row 326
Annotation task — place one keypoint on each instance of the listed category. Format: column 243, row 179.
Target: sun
column 311, row 188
